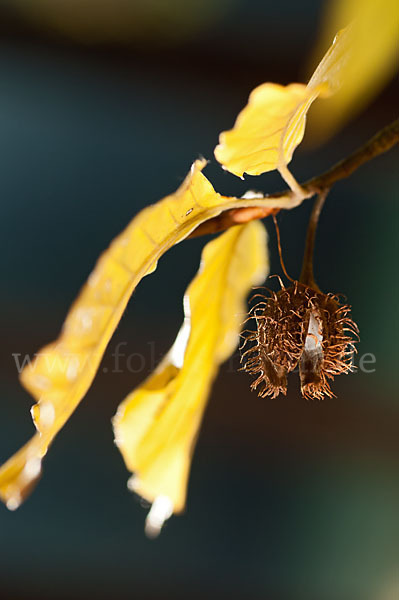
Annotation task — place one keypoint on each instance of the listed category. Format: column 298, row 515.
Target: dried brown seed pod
column 299, row 326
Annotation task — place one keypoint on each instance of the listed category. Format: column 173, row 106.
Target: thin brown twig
column 280, row 252
column 383, row 141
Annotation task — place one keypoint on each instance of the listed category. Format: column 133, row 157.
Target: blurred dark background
column 103, row 106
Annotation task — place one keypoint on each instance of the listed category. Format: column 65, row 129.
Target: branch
column 383, row 141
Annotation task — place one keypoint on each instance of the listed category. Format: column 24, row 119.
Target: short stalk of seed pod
column 307, row 274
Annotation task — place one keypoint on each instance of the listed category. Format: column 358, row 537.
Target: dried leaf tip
column 160, row 511
column 299, row 327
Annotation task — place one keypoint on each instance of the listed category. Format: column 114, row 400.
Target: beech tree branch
column 383, row 141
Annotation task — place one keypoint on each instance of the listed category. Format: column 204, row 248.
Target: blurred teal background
column 103, row 106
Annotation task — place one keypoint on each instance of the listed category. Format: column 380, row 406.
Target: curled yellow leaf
column 371, row 57
column 157, row 424
column 272, row 124
column 63, row 371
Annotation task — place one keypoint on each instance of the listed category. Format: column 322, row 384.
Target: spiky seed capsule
column 299, row 326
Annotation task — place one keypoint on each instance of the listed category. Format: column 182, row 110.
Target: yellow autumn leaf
column 63, row 371
column 272, row 124
column 372, row 58
column 157, row 424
